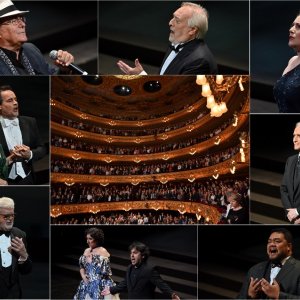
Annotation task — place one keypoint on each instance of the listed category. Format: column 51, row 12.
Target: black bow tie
column 177, row 48
column 7, row 233
column 276, row 264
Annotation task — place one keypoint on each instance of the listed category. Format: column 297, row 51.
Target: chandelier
column 214, row 88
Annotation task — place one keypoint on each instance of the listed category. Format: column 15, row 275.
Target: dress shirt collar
column 8, row 122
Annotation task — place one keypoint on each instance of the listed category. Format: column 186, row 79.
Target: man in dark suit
column 19, row 135
column 290, row 186
column 277, row 278
column 141, row 278
column 188, row 53
column 14, row 259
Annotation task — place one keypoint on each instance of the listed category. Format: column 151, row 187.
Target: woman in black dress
column 287, row 88
column 237, row 213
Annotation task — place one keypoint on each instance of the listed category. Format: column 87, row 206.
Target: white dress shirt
column 13, row 137
column 6, row 257
column 169, row 59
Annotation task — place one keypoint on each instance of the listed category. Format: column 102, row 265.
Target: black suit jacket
column 31, row 138
column 194, row 58
column 11, row 288
column 288, row 278
column 144, row 285
column 290, row 188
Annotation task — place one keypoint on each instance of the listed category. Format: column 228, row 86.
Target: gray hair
column 6, row 202
column 297, row 124
column 199, row 18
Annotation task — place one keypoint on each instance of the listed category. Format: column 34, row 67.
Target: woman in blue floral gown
column 95, row 268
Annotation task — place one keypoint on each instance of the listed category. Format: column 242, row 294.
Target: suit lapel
column 24, row 131
column 179, row 59
column 3, row 141
column 286, row 269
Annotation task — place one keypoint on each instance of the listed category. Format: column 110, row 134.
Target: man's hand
column 254, row 287
column 138, row 69
column 64, row 58
column 292, row 214
column 19, row 247
column 271, row 290
column 3, row 182
column 175, row 296
column 22, row 151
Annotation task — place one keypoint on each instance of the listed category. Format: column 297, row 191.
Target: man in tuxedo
column 19, row 135
column 17, row 57
column 141, row 278
column 188, row 53
column 290, row 186
column 277, row 278
column 14, row 259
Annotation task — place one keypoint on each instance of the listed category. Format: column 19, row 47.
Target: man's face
column 12, row 35
column 277, row 247
column 135, row 257
column 179, row 30
column 296, row 138
column 9, row 108
column 6, row 218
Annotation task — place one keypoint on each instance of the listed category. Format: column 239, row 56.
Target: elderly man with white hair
column 13, row 254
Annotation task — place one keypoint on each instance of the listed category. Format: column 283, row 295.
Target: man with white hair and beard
column 13, row 254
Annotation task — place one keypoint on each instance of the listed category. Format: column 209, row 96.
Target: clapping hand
column 19, row 247
column 22, row 151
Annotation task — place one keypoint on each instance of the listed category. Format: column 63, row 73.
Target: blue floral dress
column 98, row 272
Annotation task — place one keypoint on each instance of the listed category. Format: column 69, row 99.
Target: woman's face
column 91, row 242
column 294, row 35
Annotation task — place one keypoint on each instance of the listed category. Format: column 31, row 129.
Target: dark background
column 32, row 209
column 33, row 96
column 272, row 140
column 139, row 29
column 158, row 238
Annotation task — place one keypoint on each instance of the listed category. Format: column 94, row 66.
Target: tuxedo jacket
column 194, row 58
column 31, row 138
column 10, row 288
column 290, row 186
column 288, row 279
column 143, row 287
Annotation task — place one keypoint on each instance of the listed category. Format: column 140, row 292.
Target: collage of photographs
column 149, row 149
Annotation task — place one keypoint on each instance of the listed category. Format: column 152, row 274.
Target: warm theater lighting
column 108, row 159
column 76, row 156
column 69, row 182
column 217, row 140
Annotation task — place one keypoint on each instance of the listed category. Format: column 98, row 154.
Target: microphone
column 53, row 55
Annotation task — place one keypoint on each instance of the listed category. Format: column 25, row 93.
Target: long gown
column 287, row 91
column 98, row 272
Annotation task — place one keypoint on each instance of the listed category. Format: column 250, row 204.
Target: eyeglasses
column 14, row 21
column 8, row 216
